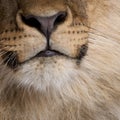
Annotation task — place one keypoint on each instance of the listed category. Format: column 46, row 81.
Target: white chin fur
column 46, row 73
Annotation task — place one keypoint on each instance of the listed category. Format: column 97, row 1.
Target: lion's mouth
column 48, row 53
column 51, row 53
column 13, row 61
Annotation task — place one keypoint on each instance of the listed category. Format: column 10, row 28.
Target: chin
column 44, row 73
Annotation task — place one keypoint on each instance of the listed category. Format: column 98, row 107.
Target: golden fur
column 60, row 87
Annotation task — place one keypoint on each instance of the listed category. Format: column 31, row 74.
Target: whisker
column 95, row 30
column 98, row 35
column 14, row 63
column 10, row 59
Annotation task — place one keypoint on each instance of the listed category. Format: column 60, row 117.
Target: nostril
column 36, row 21
column 60, row 18
column 31, row 21
column 47, row 24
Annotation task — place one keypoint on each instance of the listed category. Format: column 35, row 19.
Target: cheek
column 70, row 39
column 23, row 42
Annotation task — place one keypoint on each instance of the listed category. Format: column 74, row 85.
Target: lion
column 59, row 60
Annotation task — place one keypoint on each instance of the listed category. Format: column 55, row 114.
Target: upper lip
column 45, row 53
column 49, row 53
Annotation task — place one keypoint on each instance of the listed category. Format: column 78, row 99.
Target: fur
column 61, row 88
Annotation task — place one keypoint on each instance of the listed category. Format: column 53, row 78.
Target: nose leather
column 47, row 24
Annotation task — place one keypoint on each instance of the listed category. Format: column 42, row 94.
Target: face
column 42, row 43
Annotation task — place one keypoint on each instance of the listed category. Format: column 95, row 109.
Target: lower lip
column 47, row 53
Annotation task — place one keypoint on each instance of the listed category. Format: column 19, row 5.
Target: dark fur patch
column 10, row 58
column 83, row 51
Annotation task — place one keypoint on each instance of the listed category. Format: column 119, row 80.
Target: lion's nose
column 45, row 25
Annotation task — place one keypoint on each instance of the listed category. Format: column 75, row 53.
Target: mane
column 88, row 89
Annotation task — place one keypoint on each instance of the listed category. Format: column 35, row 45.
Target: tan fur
column 59, row 87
